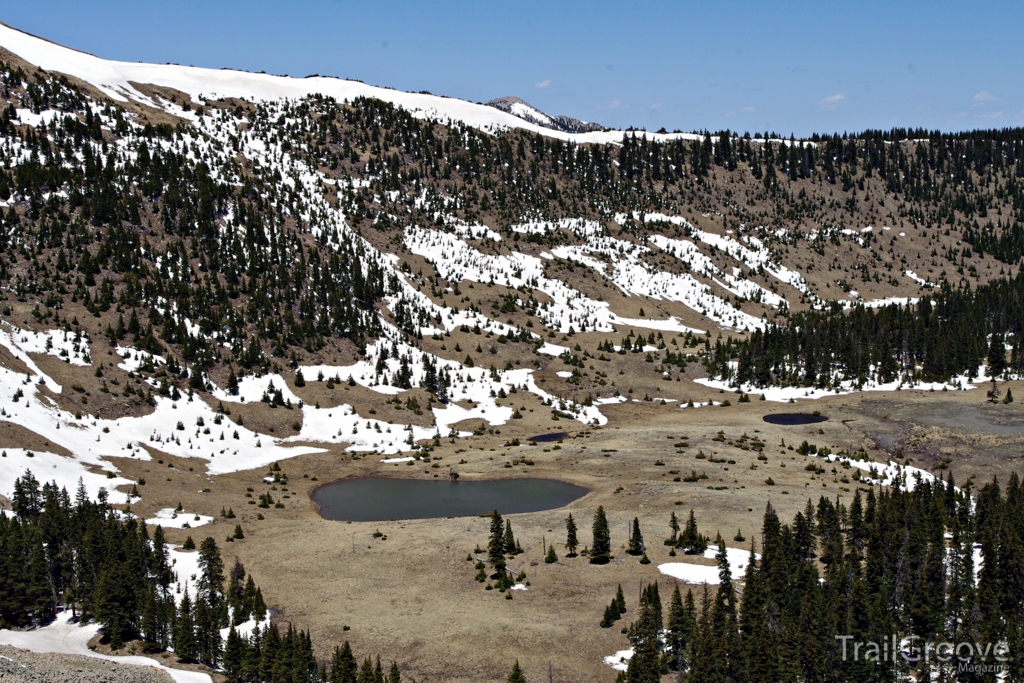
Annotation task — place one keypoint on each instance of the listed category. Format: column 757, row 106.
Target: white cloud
column 831, row 102
column 543, row 84
column 657, row 105
column 748, row 110
column 983, row 98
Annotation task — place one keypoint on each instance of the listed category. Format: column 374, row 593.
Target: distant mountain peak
column 526, row 111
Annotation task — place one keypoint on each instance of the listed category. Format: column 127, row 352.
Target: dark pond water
column 545, row 438
column 791, row 419
column 378, row 499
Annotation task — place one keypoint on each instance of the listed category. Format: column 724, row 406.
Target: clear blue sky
column 788, row 66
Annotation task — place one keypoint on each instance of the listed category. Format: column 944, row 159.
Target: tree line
column 932, row 564
column 102, row 564
column 947, row 334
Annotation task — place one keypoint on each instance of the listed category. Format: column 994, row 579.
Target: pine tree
column 236, row 594
column 210, row 586
column 636, row 539
column 516, row 675
column 496, row 544
column 681, row 624
column 644, row 633
column 571, row 542
column 366, row 673
column 610, row 615
column 601, row 548
column 691, row 540
column 234, row 653
column 185, row 645
column 343, row 665
column 996, row 356
column 551, row 557
column 673, row 523
column 509, row 540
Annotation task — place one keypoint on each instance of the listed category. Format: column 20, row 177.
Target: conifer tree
column 681, row 623
column 691, row 540
column 571, row 542
column 673, row 523
column 185, row 645
column 636, row 539
column 601, row 548
column 516, row 675
column 366, row 672
column 610, row 615
column 509, row 540
column 234, row 654
column 644, row 634
column 496, row 544
column 551, row 557
column 210, row 592
column 235, row 594
column 343, row 665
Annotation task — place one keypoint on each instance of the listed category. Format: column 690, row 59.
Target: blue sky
column 798, row 67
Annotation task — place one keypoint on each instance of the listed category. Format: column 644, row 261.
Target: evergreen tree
column 691, row 540
column 343, row 665
column 509, row 540
column 551, row 557
column 646, row 663
column 681, row 623
column 516, row 675
column 185, row 645
column 496, row 544
column 673, row 523
column 571, row 542
column 620, row 601
column 636, row 539
column 234, row 654
column 610, row 615
column 601, row 548
column 996, row 358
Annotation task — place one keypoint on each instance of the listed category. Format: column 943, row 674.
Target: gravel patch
column 23, row 666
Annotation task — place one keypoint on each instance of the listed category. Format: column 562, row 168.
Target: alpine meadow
column 310, row 381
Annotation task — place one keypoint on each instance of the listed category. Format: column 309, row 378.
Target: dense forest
column 908, row 571
column 948, row 334
column 59, row 553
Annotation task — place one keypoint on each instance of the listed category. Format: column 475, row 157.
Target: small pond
column 547, row 438
column 378, row 499
column 791, row 419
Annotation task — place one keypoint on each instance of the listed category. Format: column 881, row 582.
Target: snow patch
column 169, row 518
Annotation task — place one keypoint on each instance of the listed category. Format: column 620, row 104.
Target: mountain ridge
column 526, row 111
column 114, row 79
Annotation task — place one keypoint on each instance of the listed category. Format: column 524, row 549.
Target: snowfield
column 569, row 310
column 169, row 518
column 701, row 573
column 68, row 638
column 115, row 80
column 791, row 394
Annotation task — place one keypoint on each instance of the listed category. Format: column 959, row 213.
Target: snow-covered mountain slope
column 486, row 276
column 118, row 80
column 530, row 113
